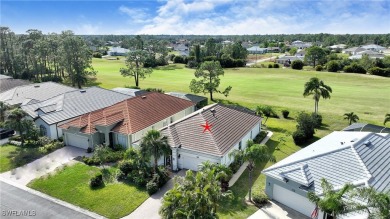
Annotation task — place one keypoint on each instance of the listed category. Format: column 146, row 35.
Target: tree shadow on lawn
column 323, row 127
column 92, row 82
column 169, row 67
column 227, row 102
column 278, row 129
column 22, row 156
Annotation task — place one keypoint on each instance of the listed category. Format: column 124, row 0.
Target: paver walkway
column 24, row 174
column 149, row 209
column 239, row 172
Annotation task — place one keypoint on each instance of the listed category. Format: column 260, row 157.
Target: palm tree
column 3, row 109
column 15, row 120
column 331, row 202
column 351, row 117
column 253, row 153
column 318, row 89
column 153, row 144
column 376, row 204
column 387, row 118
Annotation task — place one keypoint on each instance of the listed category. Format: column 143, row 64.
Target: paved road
column 22, row 204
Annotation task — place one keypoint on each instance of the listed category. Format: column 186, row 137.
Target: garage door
column 190, row 163
column 293, row 200
column 76, row 141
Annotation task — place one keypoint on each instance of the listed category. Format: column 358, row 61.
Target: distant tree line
column 51, row 57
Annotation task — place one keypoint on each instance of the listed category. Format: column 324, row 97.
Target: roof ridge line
column 199, row 111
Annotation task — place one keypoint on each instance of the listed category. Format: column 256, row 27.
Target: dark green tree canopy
column 315, row 55
column 135, row 61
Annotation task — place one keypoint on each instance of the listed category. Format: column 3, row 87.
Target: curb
column 52, row 199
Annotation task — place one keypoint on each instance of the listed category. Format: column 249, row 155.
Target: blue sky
column 198, row 16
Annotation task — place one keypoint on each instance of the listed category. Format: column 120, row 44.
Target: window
column 43, row 130
column 239, row 145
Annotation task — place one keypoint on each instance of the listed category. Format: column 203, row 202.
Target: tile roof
column 9, row 83
column 360, row 158
column 73, row 103
column 131, row 115
column 35, row 92
column 228, row 126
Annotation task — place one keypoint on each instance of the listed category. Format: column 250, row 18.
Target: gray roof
column 228, row 127
column 364, row 127
column 373, row 46
column 291, row 58
column 4, row 77
column 118, row 50
column 256, row 48
column 191, row 97
column 130, row 91
column 9, row 83
column 360, row 158
column 73, row 104
column 33, row 92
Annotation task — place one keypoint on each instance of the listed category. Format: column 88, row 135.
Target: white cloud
column 137, row 15
column 88, row 29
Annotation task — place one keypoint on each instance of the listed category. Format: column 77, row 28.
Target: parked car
column 5, row 133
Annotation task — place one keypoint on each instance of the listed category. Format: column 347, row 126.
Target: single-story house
column 288, row 59
column 256, row 50
column 300, row 53
column 338, row 46
column 300, row 45
column 9, row 83
column 199, row 101
column 130, row 91
column 33, row 93
column 117, row 51
column 48, row 115
column 210, row 134
column 374, row 47
column 273, row 49
column 371, row 54
column 353, row 50
column 125, row 122
column 365, row 127
column 359, row 158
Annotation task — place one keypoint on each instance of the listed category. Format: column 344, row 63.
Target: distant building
column 117, row 51
column 256, row 50
column 374, row 47
column 353, row 50
column 287, row 59
column 300, row 45
column 370, row 53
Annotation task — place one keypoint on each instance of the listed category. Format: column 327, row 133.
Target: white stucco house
column 359, row 158
column 192, row 142
column 125, row 122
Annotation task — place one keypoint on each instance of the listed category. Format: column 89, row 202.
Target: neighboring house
column 9, row 83
column 130, row 91
column 230, row 128
column 338, row 46
column 285, row 59
column 300, row 45
column 117, row 51
column 370, row 53
column 53, row 112
column 181, row 47
column 353, row 50
column 199, row 101
column 374, row 47
column 273, row 49
column 359, row 158
column 33, row 93
column 300, row 53
column 364, row 127
column 125, row 122
column 256, row 50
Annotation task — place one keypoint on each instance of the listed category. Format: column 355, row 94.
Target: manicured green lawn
column 12, row 156
column 366, row 95
column 71, row 184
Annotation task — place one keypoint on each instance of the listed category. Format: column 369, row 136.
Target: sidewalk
column 237, row 175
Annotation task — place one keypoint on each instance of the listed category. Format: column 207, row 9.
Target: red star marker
column 207, row 127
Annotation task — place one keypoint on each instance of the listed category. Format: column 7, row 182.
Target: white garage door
column 190, row 163
column 293, row 200
column 77, row 141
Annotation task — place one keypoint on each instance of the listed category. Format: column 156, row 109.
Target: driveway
column 24, row 174
column 149, row 209
column 18, row 203
column 275, row 210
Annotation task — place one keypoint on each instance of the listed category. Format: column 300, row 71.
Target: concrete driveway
column 149, row 209
column 24, row 174
column 275, row 210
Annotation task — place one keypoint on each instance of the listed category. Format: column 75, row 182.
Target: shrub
column 276, row 65
column 332, row 66
column 131, row 153
column 151, row 187
column 285, row 113
column 15, row 138
column 307, row 124
column 354, row 68
column 226, row 62
column 120, row 175
column 239, row 62
column 210, row 58
column 164, row 176
column 97, row 55
column 126, row 166
column 118, row 147
column 89, row 150
column 180, row 59
column 259, row 137
column 139, row 181
column 235, row 165
column 159, row 90
column 379, row 71
column 317, row 118
column 260, row 198
column 96, row 181
column 91, row 161
column 44, row 140
column 270, row 66
column 132, row 87
column 297, row 64
column 192, row 64
column 113, row 156
column 299, row 137
column 61, row 139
